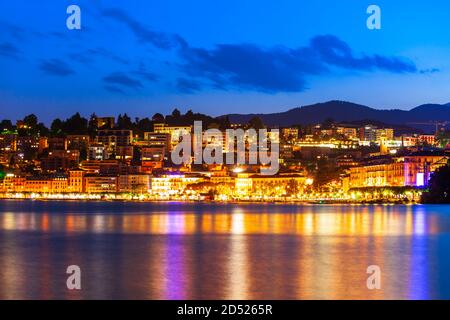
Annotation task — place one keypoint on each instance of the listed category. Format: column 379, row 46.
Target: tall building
column 76, row 181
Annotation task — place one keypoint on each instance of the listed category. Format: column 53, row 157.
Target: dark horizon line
column 228, row 114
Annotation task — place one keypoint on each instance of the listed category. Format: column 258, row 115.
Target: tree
column 326, row 172
column 76, row 124
column 6, row 125
column 42, row 130
column 124, row 122
column 256, row 123
column 57, row 127
column 158, row 118
column 144, row 125
column 176, row 113
column 30, row 120
column 438, row 187
column 92, row 125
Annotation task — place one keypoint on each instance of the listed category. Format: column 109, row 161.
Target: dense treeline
column 77, row 124
column 439, row 186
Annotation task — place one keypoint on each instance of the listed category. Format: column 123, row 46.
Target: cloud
column 249, row 67
column 89, row 55
column 114, row 89
column 8, row 50
column 281, row 69
column 56, row 67
column 122, row 79
column 432, row 70
column 147, row 76
column 160, row 40
column 256, row 68
column 184, row 85
column 333, row 51
column 14, row 31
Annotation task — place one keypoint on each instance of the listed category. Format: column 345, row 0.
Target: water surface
column 222, row 251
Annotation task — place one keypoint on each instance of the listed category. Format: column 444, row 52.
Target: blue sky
column 218, row 57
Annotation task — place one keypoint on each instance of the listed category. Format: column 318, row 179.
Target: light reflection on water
column 233, row 251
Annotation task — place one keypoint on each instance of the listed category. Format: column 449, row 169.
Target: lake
column 137, row 250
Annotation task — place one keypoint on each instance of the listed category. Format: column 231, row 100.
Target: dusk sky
column 219, row 57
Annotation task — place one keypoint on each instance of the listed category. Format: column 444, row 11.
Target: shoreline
column 102, row 198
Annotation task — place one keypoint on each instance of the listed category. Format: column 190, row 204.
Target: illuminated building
column 429, row 139
column 374, row 134
column 76, row 180
column 77, row 142
column 252, row 185
column 43, row 144
column 410, row 170
column 104, row 167
column 135, row 183
column 27, row 145
column 113, row 138
column 101, row 183
column 385, row 134
column 12, row 183
column 289, row 134
column 55, row 183
column 60, row 160
column 176, row 132
column 152, row 158
column 57, row 143
column 212, row 140
column 124, row 152
column 8, row 142
column 104, row 122
column 97, row 151
column 173, row 183
column 155, row 139
column 348, row 132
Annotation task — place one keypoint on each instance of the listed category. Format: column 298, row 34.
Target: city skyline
column 217, row 60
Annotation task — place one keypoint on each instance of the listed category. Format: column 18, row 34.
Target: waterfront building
column 76, row 181
column 55, row 183
column 410, row 170
column 95, row 183
column 135, row 183
column 174, row 183
column 12, row 182
column 262, row 186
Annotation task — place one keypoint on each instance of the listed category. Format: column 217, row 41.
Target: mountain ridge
column 344, row 111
